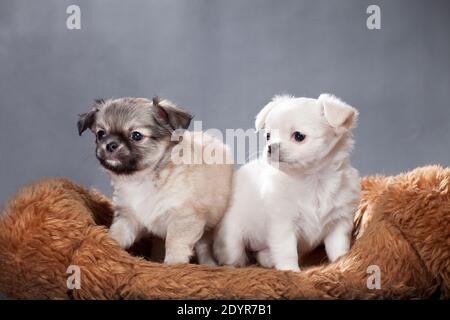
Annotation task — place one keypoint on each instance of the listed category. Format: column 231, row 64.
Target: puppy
column 301, row 193
column 179, row 202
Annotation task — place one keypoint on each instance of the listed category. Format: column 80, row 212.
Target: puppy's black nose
column 273, row 149
column 112, row 146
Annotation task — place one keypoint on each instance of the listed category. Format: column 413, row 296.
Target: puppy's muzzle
column 112, row 145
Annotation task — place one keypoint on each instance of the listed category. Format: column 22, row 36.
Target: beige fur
column 166, row 181
column 177, row 202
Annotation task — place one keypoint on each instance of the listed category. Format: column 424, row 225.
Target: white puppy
column 303, row 192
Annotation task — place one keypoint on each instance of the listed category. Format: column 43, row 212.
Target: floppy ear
column 337, row 113
column 168, row 114
column 86, row 120
column 260, row 120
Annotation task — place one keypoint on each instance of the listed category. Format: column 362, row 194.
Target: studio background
column 221, row 60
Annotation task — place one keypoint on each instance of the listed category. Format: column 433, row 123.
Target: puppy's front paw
column 334, row 255
column 176, row 259
column 265, row 258
column 122, row 233
column 288, row 267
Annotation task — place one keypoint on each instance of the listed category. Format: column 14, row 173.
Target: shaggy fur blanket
column 402, row 228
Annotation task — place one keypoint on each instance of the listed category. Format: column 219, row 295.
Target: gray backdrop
column 222, row 60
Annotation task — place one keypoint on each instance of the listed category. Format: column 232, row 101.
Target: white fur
column 281, row 210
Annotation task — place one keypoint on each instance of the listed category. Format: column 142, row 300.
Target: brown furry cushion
column 402, row 226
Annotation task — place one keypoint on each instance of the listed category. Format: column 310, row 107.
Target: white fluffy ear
column 338, row 113
column 262, row 115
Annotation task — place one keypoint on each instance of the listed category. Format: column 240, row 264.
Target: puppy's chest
column 315, row 201
column 142, row 199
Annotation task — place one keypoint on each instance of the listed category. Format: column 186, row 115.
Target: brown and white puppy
column 177, row 201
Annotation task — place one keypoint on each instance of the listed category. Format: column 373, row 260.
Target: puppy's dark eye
column 298, row 136
column 101, row 134
column 268, row 136
column 136, row 136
